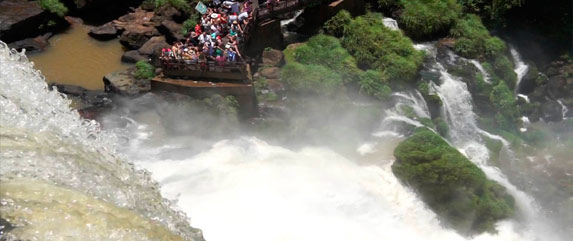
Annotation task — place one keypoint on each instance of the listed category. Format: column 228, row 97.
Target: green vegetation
column 490, row 9
column 473, row 39
column 335, row 26
column 179, row 4
column 54, row 6
column 144, row 70
column 422, row 19
column 188, row 26
column 455, row 188
column 310, row 79
column 376, row 47
column 373, row 83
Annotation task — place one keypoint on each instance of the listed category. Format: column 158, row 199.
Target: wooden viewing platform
column 204, row 79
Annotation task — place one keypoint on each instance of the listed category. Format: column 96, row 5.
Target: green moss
column 376, row 47
column 494, row 147
column 423, row 19
column 179, row 4
column 54, row 6
column 503, row 69
column 427, row 122
column 144, row 70
column 455, row 188
column 335, row 26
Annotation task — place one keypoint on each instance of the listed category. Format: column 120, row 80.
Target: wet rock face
column 273, row 57
column 26, row 19
column 171, row 30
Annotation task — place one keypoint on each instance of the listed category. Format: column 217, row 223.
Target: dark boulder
column 26, row 19
column 153, row 45
column 171, row 30
column 32, row 44
column 104, row 32
column 132, row 56
column 169, row 13
column 271, row 73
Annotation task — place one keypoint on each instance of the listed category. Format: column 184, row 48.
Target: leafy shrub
column 451, row 185
column 372, row 83
column 188, row 26
column 335, row 26
column 423, row 19
column 144, row 70
column 54, row 6
column 377, row 47
column 474, row 40
column 503, row 69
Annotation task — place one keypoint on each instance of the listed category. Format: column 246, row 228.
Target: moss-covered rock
column 422, row 19
column 335, row 26
column 473, row 39
column 455, row 188
column 376, row 47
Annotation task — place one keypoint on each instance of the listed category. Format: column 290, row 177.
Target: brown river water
column 75, row 58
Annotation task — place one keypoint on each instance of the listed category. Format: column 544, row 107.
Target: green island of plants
column 455, row 188
column 54, row 6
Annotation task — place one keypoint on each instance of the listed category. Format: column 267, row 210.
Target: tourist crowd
column 216, row 36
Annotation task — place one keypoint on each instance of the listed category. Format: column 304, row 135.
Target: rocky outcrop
column 104, row 32
column 137, row 28
column 271, row 73
column 26, row 19
column 32, row 44
column 123, row 82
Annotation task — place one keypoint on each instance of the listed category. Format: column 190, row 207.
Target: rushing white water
column 46, row 144
column 390, row 23
column 520, row 67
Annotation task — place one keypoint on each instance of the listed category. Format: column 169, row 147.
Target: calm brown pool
column 73, row 57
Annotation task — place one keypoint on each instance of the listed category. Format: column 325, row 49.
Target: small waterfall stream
column 520, row 67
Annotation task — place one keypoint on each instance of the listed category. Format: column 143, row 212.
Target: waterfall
column 486, row 77
column 520, row 67
column 564, row 109
column 390, row 23
column 465, row 135
column 60, row 174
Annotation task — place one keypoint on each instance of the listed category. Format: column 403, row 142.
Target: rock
column 271, row 73
column 73, row 20
column 275, row 85
column 447, row 42
column 529, row 81
column 124, row 83
column 136, row 28
column 273, row 58
column 168, row 13
column 26, row 19
column 104, row 32
column 153, row 45
column 171, row 30
column 132, row 56
column 32, row 44
column 72, row 90
column 552, row 111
